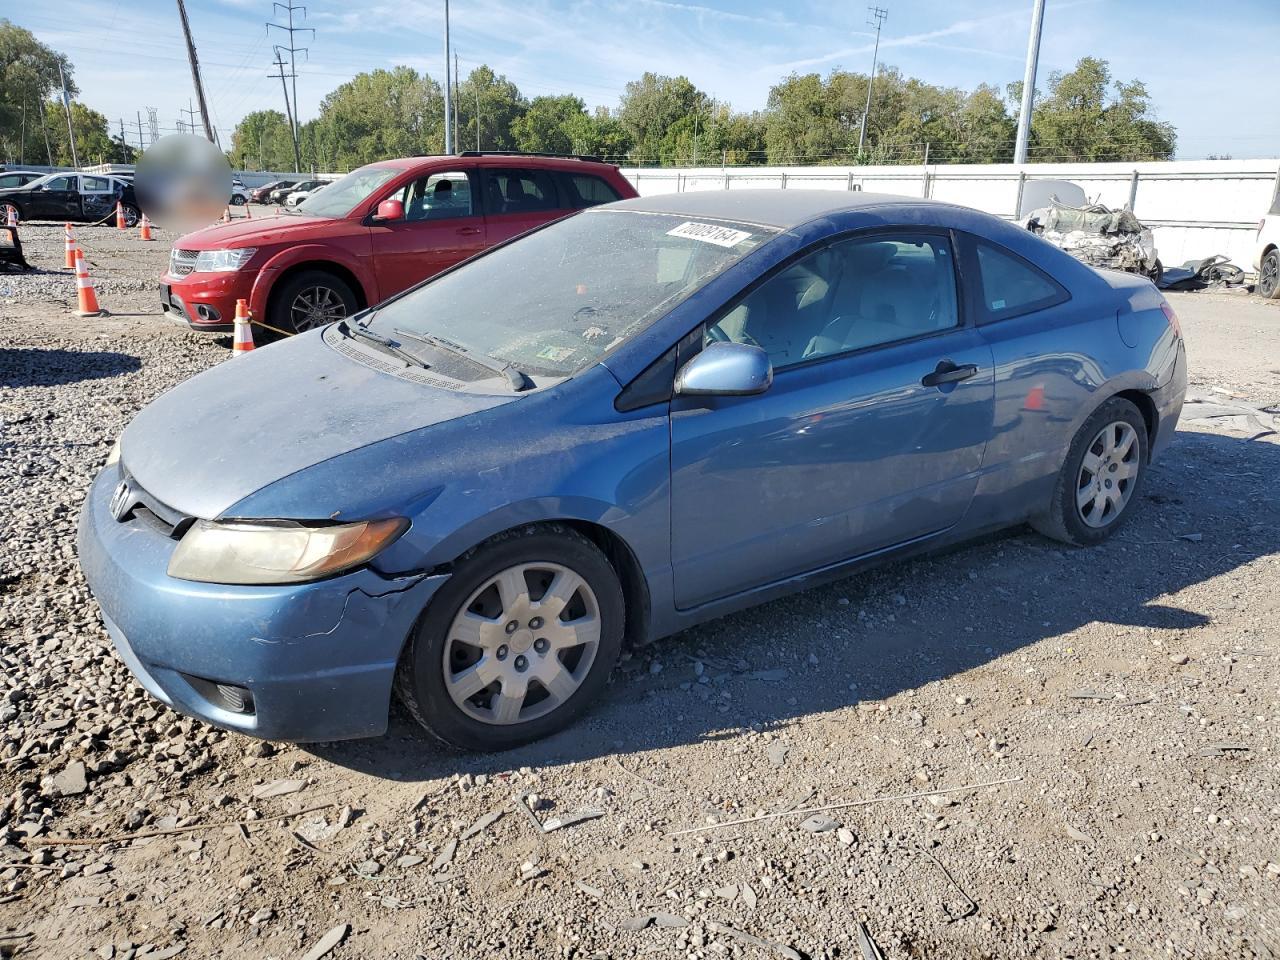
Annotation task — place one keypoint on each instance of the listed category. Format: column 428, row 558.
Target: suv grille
column 182, row 262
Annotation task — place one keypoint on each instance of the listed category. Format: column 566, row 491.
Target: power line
column 293, row 50
column 297, row 158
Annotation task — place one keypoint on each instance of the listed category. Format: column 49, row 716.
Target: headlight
column 223, row 261
column 113, row 456
column 283, row 552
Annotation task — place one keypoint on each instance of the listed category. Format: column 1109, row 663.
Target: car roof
column 487, row 158
column 768, row 207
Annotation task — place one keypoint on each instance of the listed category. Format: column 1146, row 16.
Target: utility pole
column 457, row 95
column 448, row 95
column 142, row 144
column 195, row 70
column 876, row 19
column 44, row 128
column 66, row 103
column 477, row 118
column 124, row 144
column 153, row 124
column 297, row 158
column 293, row 51
column 1029, row 83
column 22, row 137
column 190, row 114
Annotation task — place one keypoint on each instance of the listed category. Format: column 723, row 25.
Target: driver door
column 98, row 196
column 59, row 200
column 871, row 435
column 442, row 226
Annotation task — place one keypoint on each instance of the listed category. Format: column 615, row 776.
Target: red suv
column 375, row 232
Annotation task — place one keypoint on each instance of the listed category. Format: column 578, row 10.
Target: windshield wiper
column 354, row 329
column 515, row 377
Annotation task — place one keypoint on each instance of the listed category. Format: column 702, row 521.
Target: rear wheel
column 237, row 200
column 5, row 208
column 1101, row 477
column 1269, row 275
column 131, row 214
column 313, row 298
column 517, row 643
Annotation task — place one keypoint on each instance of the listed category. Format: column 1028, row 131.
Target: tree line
column 1084, row 114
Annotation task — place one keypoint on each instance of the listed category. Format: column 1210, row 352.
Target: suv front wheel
column 311, row 299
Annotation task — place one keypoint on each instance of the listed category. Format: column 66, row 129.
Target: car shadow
column 39, row 367
column 1206, row 509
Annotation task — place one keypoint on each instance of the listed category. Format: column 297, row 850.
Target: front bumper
column 317, row 659
column 204, row 301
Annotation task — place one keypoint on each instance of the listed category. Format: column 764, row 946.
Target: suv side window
column 440, row 196
column 95, row 185
column 62, row 183
column 586, row 190
column 518, row 191
column 1009, row 286
column 858, row 293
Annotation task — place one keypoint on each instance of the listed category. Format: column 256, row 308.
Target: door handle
column 468, row 231
column 948, row 372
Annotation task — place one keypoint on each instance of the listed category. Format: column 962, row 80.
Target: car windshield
column 561, row 298
column 337, row 198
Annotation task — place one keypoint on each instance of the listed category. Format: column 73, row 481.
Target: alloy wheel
column 1269, row 275
column 1108, row 474
column 523, row 643
column 316, row 307
column 5, row 209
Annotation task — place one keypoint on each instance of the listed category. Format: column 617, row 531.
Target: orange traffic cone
column 88, row 298
column 248, row 214
column 119, row 215
column 144, row 231
column 12, row 219
column 70, row 243
column 243, row 341
column 226, row 215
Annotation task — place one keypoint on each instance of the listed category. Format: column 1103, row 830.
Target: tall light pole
column 1029, row 84
column 876, row 19
column 448, row 85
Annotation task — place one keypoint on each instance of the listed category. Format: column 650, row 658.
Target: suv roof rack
column 518, row 153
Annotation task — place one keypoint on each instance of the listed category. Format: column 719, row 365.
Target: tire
column 237, row 200
column 132, row 216
column 1085, row 524
column 332, row 296
column 1269, row 275
column 1156, row 273
column 438, row 670
column 5, row 207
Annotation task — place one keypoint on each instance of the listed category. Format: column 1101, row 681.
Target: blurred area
column 183, row 182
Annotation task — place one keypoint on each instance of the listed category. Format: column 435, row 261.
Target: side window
column 13, row 180
column 95, row 185
column 441, row 196
column 518, row 191
column 62, row 183
column 849, row 296
column 1010, row 286
column 587, row 191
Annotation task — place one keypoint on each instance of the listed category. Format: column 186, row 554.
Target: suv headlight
column 278, row 552
column 223, row 261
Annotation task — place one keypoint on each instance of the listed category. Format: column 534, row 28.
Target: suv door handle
column 948, row 372
column 468, row 231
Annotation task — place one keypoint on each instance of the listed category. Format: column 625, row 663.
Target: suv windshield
column 337, row 198
column 560, row 298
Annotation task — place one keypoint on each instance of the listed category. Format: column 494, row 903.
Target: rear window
column 1010, row 286
column 587, row 191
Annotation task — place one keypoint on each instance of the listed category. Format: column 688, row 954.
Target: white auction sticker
column 709, row 233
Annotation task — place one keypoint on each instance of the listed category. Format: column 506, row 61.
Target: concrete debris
column 326, row 943
column 72, row 781
column 780, row 949
column 277, row 788
column 446, row 855
column 819, row 824
column 481, row 825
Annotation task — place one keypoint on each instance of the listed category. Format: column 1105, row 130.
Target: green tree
column 500, row 106
column 550, row 124
column 28, row 77
column 94, row 143
column 657, row 115
column 373, row 116
column 1088, row 117
column 262, row 141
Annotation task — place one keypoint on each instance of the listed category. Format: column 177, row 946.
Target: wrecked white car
column 1099, row 236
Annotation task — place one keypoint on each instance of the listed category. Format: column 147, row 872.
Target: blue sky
column 1211, row 71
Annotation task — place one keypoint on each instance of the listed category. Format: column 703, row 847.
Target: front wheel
column 517, row 643
column 131, row 215
column 1269, row 275
column 313, row 298
column 9, row 208
column 1101, row 477
column 237, row 200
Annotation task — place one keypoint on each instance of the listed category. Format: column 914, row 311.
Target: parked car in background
column 623, row 424
column 373, row 233
column 303, row 190
column 239, row 195
column 1266, row 259
column 259, row 194
column 17, row 178
column 78, row 197
column 277, row 194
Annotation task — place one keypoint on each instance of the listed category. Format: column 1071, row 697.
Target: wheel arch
column 326, row 266
column 1146, row 406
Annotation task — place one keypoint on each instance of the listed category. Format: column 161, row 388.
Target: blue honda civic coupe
column 647, row 415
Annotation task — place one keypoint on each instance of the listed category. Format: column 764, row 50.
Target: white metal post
column 1029, row 84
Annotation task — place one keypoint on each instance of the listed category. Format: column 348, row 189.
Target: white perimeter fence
column 1195, row 208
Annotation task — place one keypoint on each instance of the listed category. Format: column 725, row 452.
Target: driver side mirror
column 390, row 210
column 725, row 370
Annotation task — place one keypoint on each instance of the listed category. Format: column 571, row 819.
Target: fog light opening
column 225, row 696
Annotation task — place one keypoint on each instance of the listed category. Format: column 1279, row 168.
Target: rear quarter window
column 587, row 190
column 1009, row 286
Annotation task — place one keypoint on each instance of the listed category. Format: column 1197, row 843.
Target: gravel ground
column 1127, row 695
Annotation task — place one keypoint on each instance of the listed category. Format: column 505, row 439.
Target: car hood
column 250, row 231
column 254, row 419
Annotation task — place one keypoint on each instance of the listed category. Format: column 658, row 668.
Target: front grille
column 182, row 262
column 132, row 503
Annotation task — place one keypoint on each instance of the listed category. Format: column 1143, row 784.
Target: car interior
column 849, row 296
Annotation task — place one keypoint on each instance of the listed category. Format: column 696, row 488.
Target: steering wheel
column 716, row 333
